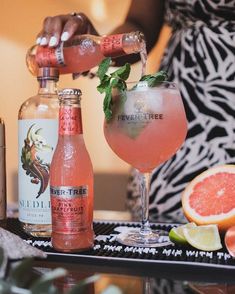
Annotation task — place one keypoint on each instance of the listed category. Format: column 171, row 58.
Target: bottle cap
column 2, row 133
column 68, row 92
column 48, row 72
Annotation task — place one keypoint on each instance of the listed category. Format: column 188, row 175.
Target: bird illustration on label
column 34, row 166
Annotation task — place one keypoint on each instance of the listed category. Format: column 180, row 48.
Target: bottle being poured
column 83, row 52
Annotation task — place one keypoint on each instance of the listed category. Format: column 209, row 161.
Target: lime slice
column 205, row 238
column 176, row 235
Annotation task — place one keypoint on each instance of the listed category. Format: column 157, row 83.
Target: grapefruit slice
column 210, row 197
column 229, row 241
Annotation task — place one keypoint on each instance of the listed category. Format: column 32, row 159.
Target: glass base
column 133, row 238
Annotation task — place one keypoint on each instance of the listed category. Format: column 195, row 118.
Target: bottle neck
column 70, row 119
column 121, row 44
column 47, row 86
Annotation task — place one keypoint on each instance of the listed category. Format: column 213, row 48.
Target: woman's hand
column 63, row 27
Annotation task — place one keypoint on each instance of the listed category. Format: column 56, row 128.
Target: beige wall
column 19, row 23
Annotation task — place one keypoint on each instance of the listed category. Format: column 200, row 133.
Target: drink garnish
column 176, row 234
column 109, row 81
column 155, row 78
column 117, row 79
column 205, row 238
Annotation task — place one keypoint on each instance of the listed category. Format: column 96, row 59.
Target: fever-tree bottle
column 37, row 138
column 84, row 52
column 71, row 181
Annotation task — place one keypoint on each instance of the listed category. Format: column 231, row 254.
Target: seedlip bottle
column 37, row 138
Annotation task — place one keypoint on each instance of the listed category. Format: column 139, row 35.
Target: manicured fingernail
column 43, row 41
column 53, row 41
column 38, row 41
column 65, row 36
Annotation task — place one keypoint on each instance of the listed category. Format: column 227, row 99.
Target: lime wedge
column 176, row 235
column 205, row 238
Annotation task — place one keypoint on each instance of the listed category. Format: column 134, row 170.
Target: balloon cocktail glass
column 147, row 127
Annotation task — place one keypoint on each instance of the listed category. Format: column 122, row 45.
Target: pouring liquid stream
column 143, row 58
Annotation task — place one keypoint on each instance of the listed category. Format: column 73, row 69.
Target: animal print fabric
column 200, row 58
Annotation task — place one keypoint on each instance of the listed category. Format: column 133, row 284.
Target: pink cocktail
column 148, row 126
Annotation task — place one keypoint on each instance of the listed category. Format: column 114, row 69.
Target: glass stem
column 144, row 190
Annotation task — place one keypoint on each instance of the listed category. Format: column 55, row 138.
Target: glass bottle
column 71, row 182
column 37, row 139
column 3, row 201
column 84, row 52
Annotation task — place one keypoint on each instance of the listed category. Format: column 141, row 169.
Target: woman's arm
column 143, row 15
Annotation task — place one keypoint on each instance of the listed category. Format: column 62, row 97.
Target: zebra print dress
column 200, row 57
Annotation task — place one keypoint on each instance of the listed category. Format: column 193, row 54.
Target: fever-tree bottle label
column 70, row 209
column 37, row 141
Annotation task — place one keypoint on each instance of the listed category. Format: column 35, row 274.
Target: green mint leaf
column 114, row 82
column 108, row 82
column 117, row 80
column 107, row 103
column 121, row 85
column 145, row 77
column 103, row 67
column 104, row 84
column 154, row 79
column 123, row 72
column 153, row 82
column 161, row 76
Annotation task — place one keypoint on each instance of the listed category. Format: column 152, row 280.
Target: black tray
column 107, row 249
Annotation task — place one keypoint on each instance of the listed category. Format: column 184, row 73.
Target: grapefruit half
column 210, row 197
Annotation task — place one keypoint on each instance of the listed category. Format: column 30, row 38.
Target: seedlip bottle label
column 37, row 142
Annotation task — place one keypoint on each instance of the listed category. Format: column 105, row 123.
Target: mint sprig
column 155, row 79
column 117, row 79
column 109, row 81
